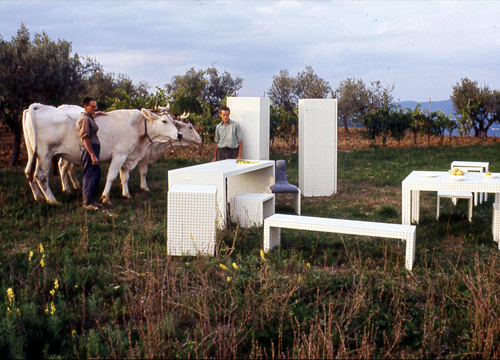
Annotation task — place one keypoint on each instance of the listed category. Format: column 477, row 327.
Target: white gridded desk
column 230, row 178
column 419, row 181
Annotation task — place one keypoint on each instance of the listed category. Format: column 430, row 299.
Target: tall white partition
column 252, row 113
column 318, row 147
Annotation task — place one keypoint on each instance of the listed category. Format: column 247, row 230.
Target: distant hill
column 445, row 106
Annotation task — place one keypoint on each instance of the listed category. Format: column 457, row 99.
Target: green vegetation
column 85, row 284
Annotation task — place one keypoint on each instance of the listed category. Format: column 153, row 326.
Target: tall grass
column 100, row 285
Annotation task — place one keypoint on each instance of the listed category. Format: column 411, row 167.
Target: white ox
column 125, row 136
column 189, row 137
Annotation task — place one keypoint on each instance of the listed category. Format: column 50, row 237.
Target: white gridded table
column 229, row 177
column 419, row 181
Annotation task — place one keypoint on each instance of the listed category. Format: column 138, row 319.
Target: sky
column 422, row 47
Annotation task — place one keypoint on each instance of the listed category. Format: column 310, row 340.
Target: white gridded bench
column 274, row 223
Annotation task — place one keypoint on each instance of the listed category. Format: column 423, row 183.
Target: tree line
column 45, row 71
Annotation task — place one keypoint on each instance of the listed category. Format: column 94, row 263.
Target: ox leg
column 64, row 168
column 42, row 177
column 124, row 176
column 143, row 170
column 115, row 166
column 35, row 189
column 73, row 178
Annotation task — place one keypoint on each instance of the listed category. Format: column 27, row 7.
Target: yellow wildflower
column 52, row 292
column 73, row 332
column 52, row 308
column 262, row 255
column 56, row 284
column 8, row 309
column 191, row 235
column 30, row 256
column 42, row 263
column 18, row 312
column 223, row 267
column 228, row 279
column 236, row 267
column 41, row 248
column 117, row 287
column 308, row 265
column 10, row 295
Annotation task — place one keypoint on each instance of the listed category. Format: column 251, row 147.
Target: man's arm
column 88, row 147
column 240, row 149
column 215, row 155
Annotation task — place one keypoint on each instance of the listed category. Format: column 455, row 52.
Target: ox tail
column 29, row 129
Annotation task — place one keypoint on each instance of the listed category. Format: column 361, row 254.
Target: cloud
column 423, row 47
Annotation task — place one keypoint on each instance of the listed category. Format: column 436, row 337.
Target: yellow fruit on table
column 488, row 173
column 460, row 172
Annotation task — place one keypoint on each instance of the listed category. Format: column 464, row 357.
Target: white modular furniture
column 454, row 195
column 318, row 147
column 419, row 181
column 253, row 115
column 496, row 224
column 274, row 224
column 191, row 219
column 473, row 166
column 229, row 177
column 250, row 209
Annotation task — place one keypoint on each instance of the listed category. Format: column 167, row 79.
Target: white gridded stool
column 191, row 216
column 250, row 209
column 455, row 195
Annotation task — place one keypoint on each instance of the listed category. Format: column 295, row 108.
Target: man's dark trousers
column 91, row 175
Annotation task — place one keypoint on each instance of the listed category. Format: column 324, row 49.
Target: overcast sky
column 423, row 47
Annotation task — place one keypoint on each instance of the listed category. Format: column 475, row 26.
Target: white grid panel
column 251, row 209
column 496, row 224
column 191, row 216
column 454, row 195
column 318, row 147
column 255, row 182
column 352, row 227
column 229, row 177
column 252, row 113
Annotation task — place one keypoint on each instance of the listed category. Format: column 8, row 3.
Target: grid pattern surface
column 273, row 224
column 251, row 209
column 191, row 216
column 318, row 147
column 454, row 195
column 419, row 181
column 253, row 115
column 229, row 177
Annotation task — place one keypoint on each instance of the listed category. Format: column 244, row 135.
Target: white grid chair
column 473, row 166
column 454, row 195
column 250, row 209
column 191, row 216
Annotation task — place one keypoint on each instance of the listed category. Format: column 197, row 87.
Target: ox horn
column 156, row 104
column 185, row 116
column 168, row 105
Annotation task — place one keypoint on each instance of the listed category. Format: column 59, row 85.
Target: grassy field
column 99, row 285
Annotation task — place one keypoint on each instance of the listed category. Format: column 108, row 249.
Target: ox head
column 190, row 135
column 159, row 128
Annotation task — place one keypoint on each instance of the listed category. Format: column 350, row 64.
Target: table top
column 227, row 167
column 442, row 180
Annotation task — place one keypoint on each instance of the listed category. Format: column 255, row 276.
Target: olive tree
column 41, row 70
column 476, row 106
